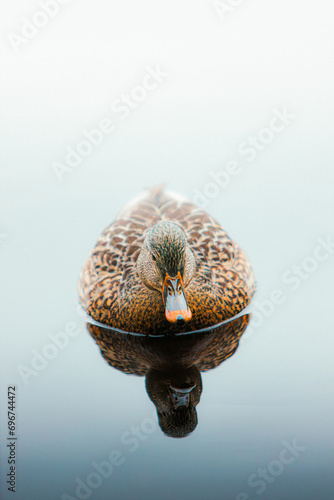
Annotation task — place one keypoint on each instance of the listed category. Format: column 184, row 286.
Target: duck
column 164, row 266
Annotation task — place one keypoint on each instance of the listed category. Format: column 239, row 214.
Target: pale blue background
column 224, row 79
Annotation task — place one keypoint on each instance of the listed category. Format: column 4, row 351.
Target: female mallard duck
column 165, row 266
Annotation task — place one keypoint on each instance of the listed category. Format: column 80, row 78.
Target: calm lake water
column 244, row 412
column 259, row 420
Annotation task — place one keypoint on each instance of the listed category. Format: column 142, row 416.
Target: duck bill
column 176, row 307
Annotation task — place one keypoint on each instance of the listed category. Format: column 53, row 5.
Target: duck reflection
column 172, row 366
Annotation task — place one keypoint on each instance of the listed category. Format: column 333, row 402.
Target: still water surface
column 241, row 412
column 254, row 405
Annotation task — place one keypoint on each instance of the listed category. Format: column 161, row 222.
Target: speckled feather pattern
column 111, row 291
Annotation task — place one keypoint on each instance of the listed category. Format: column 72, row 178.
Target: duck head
column 166, row 264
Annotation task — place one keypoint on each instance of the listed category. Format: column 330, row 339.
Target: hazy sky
column 224, row 70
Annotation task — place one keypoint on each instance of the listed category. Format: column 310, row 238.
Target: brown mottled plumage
column 218, row 278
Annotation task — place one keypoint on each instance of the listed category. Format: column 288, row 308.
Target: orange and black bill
column 176, row 307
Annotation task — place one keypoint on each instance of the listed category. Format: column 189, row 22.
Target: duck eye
column 179, row 288
column 170, row 290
